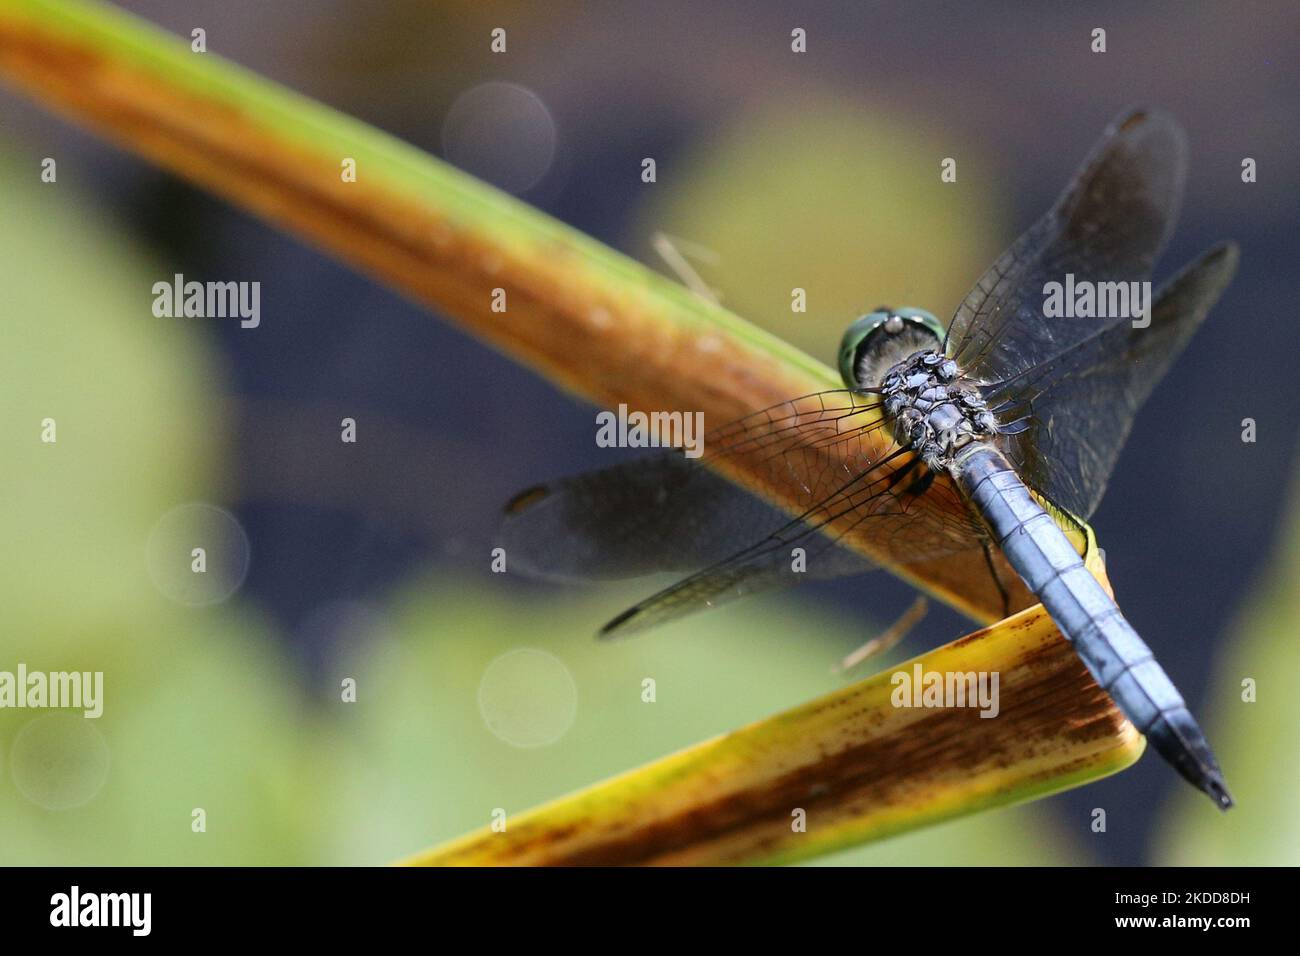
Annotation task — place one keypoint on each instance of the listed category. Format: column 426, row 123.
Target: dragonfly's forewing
column 897, row 507
column 828, row 458
column 1065, row 390
column 665, row 512
column 1071, row 414
column 653, row 513
column 1110, row 225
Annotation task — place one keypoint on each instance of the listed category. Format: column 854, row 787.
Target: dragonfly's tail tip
column 1218, row 792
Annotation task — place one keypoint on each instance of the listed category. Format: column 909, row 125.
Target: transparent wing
column 1069, row 416
column 662, row 512
column 829, row 453
column 906, row 511
column 1110, row 225
column 665, row 512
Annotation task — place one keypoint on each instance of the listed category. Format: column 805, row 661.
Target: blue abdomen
column 1114, row 654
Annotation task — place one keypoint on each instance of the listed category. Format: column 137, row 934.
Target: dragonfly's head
column 877, row 342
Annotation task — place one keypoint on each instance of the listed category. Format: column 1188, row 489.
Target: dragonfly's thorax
column 934, row 410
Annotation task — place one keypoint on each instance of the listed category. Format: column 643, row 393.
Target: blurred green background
column 375, row 567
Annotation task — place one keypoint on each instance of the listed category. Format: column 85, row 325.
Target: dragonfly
column 994, row 436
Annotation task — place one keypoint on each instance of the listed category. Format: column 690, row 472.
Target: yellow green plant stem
column 593, row 321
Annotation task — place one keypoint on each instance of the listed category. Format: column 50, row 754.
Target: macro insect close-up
column 399, row 397
column 996, row 434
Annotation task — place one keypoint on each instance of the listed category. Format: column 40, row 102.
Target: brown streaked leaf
column 859, row 767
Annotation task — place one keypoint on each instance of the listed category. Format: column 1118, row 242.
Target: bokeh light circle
column 59, row 761
column 500, row 132
column 172, row 561
column 528, row 698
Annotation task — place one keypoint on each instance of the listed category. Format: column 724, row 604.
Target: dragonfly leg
column 889, row 638
column 674, row 253
column 997, row 578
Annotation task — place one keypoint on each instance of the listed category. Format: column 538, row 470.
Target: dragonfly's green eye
column 877, row 338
